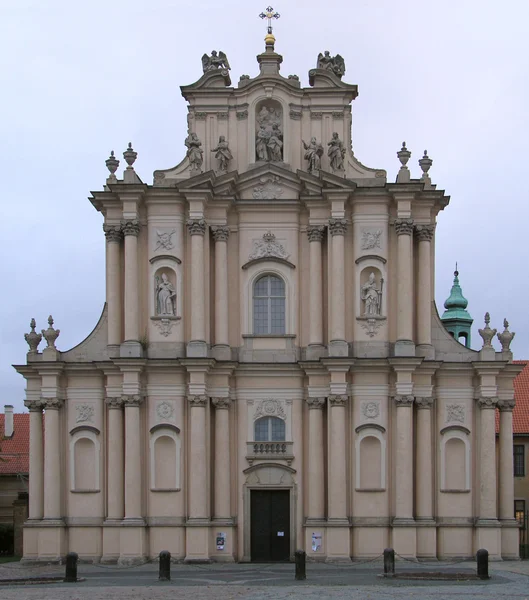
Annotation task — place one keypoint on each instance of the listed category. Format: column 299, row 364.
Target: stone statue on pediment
column 223, row 154
column 194, row 152
column 215, row 61
column 336, row 153
column 269, row 135
column 336, row 64
column 313, row 154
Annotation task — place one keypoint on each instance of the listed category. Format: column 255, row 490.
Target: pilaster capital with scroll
column 199, row 400
column 424, row 233
column 114, row 402
column 338, row 399
column 507, row 405
column 404, row 226
column 403, row 400
column 52, row 403
column 315, row 403
column 490, row 402
column 132, row 400
column 130, row 227
column 337, row 226
column 196, row 226
column 34, row 405
column 221, row 233
column 113, row 233
column 315, row 233
column 424, row 402
column 221, row 403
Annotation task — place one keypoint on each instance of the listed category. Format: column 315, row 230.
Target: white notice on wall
column 316, row 541
column 221, row 540
column 280, row 534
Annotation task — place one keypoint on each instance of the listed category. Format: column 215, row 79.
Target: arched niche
column 269, row 137
column 165, row 448
column 85, row 450
column 165, row 296
column 455, row 460
column 370, row 460
column 165, row 302
column 372, row 292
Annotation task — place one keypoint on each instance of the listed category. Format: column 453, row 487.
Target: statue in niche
column 269, row 136
column 215, row 61
column 313, row 153
column 165, row 297
column 372, row 297
column 336, row 153
column 194, row 151
column 336, row 64
column 223, row 154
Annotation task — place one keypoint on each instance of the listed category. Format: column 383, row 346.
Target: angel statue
column 313, row 152
column 215, row 61
column 194, row 152
column 336, row 64
column 336, row 153
column 223, row 154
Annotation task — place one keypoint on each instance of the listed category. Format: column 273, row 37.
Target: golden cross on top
column 269, row 14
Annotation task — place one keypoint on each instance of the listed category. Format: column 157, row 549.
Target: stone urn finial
column 506, row 337
column 425, row 163
column 50, row 334
column 487, row 333
column 33, row 338
column 130, row 156
column 112, row 164
column 404, row 156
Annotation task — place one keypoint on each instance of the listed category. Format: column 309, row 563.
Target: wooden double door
column 270, row 525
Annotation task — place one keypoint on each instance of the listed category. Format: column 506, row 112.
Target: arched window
column 269, row 305
column 269, row 429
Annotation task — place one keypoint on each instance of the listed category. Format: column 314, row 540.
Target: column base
column 338, row 348
column 197, row 544
column 338, row 541
column 227, row 552
column 510, row 539
column 45, row 541
column 426, row 539
column 425, row 350
column 404, row 538
column 221, row 352
column 315, row 352
column 488, row 535
column 131, row 349
column 132, row 543
column 197, row 349
column 404, row 348
column 113, row 350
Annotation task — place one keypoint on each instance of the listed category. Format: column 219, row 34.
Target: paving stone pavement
column 267, row 582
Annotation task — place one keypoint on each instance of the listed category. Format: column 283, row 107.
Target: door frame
column 277, row 477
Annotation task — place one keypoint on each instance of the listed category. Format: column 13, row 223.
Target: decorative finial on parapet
column 403, row 154
column 130, row 156
column 487, row 333
column 506, row 337
column 425, row 163
column 33, row 338
column 51, row 334
column 269, row 14
column 112, row 164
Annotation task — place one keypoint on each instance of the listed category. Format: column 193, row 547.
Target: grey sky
column 81, row 79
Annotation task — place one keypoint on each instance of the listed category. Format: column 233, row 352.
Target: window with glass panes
column 519, row 460
column 519, row 511
column 269, row 305
column 269, row 429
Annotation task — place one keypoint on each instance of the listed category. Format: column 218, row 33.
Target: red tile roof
column 14, row 451
column 520, row 415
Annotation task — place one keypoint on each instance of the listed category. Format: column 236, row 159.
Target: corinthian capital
column 221, row 403
column 33, row 405
column 197, row 400
column 506, row 405
column 401, row 400
column 404, row 226
column 221, row 233
column 196, row 226
column 113, row 233
column 488, row 402
column 130, row 227
column 52, row 403
column 316, row 403
column 337, row 226
column 115, row 402
column 132, row 399
column 315, row 233
column 424, row 232
column 424, row 402
column 338, row 399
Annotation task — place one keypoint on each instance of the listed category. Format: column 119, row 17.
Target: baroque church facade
column 269, row 372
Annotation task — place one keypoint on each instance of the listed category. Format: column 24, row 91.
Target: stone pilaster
column 197, row 345
column 115, row 498
column 114, row 236
column 506, row 470
column 403, row 459
column 315, row 234
column 404, row 345
column 424, row 234
column 337, row 498
column 36, row 460
column 131, row 346
column 197, row 500
column 221, row 350
column 133, row 480
column 52, row 459
column 222, row 504
column 337, row 343
column 487, row 460
column 316, row 499
column 424, row 459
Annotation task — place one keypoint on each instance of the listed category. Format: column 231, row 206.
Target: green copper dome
column 456, row 319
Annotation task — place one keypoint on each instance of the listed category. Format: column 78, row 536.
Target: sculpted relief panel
column 269, row 132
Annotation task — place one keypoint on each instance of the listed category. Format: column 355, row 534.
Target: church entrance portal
column 270, row 525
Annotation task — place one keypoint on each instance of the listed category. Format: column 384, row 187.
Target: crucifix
column 269, row 14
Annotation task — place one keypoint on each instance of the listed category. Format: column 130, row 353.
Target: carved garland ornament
column 270, row 408
column 165, row 326
column 371, row 326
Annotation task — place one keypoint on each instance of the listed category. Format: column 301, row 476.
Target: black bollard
column 389, row 562
column 71, row 567
column 482, row 557
column 165, row 566
column 300, row 558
